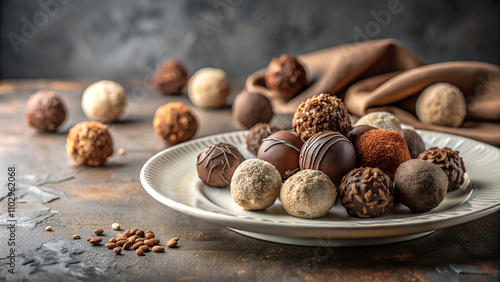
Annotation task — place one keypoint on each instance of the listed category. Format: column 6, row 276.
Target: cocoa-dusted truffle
column 255, row 184
column 257, row 133
column 282, row 149
column 420, row 185
column 330, row 152
column 175, row 123
column 208, row 88
column 89, row 143
column 383, row 120
column 382, row 148
column 321, row 113
column 104, row 101
column 366, row 192
column 414, row 141
column 217, row 163
column 250, row 108
column 441, row 104
column 45, row 111
column 170, row 77
column 286, row 75
column 308, row 194
column 450, row 162
column 357, row 131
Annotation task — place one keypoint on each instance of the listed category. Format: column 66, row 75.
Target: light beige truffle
column 441, row 104
column 381, row 119
column 104, row 101
column 255, row 184
column 308, row 194
column 208, row 88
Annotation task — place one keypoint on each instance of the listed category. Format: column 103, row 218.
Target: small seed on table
column 158, row 249
column 117, row 250
column 48, row 228
column 115, row 226
column 98, row 231
column 110, row 245
column 173, row 242
column 139, row 252
column 95, row 240
column 76, row 236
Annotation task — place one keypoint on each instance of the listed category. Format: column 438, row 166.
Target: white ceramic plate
column 171, row 178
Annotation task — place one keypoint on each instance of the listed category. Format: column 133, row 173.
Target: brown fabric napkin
column 383, row 75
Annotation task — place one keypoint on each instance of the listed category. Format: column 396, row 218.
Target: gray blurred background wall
column 119, row 39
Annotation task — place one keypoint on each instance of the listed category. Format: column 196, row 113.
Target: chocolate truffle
column 216, row 164
column 282, row 149
column 414, row 141
column 330, row 152
column 450, row 162
column 250, row 108
column 357, row 131
column 257, row 133
column 255, row 184
column 441, row 104
column 45, row 111
column 308, row 194
column 366, row 192
column 420, row 185
column 321, row 113
column 175, row 123
column 89, row 143
column 286, row 75
column 170, row 77
column 208, row 88
column 383, row 120
column 104, row 101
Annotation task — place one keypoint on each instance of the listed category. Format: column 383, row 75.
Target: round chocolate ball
column 255, row 184
column 322, row 112
column 89, row 143
column 450, row 162
column 441, row 104
column 286, row 75
column 216, row 164
column 104, row 101
column 420, row 185
column 357, row 131
column 415, row 143
column 308, row 194
column 366, row 192
column 282, row 149
column 383, row 120
column 45, row 111
column 208, row 88
column 330, row 152
column 257, row 133
column 250, row 108
column 175, row 123
column 170, row 77
column 382, row 148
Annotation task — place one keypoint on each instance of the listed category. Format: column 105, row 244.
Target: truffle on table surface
column 216, row 164
column 251, row 108
column 89, row 143
column 282, row 149
column 104, row 101
column 415, row 143
column 170, row 77
column 308, row 194
column 45, row 111
column 383, row 120
column 175, row 123
column 322, row 112
column 366, row 192
column 420, row 185
column 286, row 75
column 441, row 104
column 208, row 88
column 450, row 162
column 257, row 133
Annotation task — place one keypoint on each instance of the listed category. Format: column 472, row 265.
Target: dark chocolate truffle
column 321, row 113
column 89, row 143
column 45, row 111
column 170, row 77
column 330, row 152
column 282, row 149
column 216, row 164
column 382, row 148
column 420, row 185
column 250, row 108
column 451, row 163
column 357, row 131
column 175, row 123
column 366, row 192
column 415, row 143
column 257, row 133
column 286, row 75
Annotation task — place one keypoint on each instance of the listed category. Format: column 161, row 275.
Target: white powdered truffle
column 255, row 184
column 383, row 120
column 308, row 194
column 104, row 101
column 208, row 88
column 441, row 104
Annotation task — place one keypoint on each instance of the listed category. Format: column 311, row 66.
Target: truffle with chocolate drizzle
column 282, row 149
column 216, row 164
